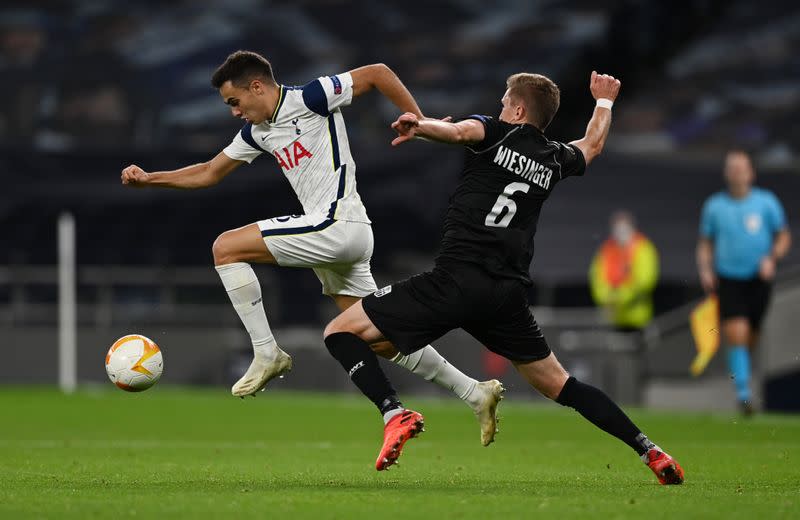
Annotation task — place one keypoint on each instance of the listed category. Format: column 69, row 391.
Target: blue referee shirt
column 742, row 230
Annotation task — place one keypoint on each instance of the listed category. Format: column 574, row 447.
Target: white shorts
column 338, row 251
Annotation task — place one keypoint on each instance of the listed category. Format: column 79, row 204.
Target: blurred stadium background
column 92, row 86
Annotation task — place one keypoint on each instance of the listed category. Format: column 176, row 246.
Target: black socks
column 361, row 363
column 600, row 410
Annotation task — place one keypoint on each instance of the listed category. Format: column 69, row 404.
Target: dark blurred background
column 91, row 86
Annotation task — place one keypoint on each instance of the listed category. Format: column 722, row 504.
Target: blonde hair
column 538, row 94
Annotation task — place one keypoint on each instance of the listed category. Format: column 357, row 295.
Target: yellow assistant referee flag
column 704, row 321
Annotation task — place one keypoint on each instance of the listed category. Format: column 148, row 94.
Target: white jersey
column 307, row 137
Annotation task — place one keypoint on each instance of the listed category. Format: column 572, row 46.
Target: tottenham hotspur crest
column 296, row 128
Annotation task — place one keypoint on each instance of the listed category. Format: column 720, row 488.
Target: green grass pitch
column 190, row 453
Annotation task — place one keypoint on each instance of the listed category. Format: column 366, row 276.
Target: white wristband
column 605, row 103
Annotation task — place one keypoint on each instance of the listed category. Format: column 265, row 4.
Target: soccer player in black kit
column 480, row 279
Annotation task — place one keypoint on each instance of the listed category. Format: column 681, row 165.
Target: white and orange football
column 134, row 363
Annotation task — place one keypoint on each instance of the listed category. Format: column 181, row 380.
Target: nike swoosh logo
column 263, row 138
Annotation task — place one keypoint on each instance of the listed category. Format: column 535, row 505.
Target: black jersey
column 493, row 213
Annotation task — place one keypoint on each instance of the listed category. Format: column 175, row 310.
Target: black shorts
column 743, row 299
column 417, row 311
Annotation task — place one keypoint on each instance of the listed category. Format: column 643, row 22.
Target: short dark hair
column 538, row 94
column 242, row 67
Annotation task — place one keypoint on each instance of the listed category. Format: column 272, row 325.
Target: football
column 134, row 363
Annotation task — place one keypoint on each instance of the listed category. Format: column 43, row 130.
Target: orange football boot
column 400, row 428
column 665, row 467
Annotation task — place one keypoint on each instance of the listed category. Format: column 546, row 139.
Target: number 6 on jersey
column 504, row 201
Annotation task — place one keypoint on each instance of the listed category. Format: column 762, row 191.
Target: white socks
column 392, row 413
column 245, row 293
column 429, row 364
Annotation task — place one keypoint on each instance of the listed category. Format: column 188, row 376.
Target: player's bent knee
column 547, row 376
column 339, row 324
column 222, row 251
column 332, row 328
column 349, row 326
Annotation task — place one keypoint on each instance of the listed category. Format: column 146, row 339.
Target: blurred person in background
column 624, row 273
column 743, row 235
column 98, row 101
column 26, row 66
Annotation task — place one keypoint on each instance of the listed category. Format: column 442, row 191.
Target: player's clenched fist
column 405, row 127
column 134, row 176
column 604, row 86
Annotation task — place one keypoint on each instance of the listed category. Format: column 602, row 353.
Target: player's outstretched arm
column 199, row 175
column 381, row 77
column 409, row 126
column 603, row 87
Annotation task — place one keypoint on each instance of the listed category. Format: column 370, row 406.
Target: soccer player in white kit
column 303, row 128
